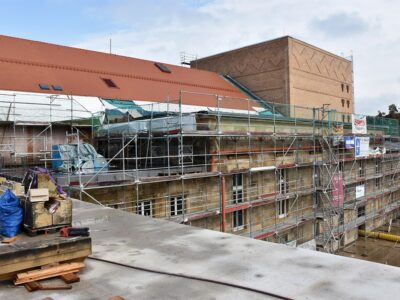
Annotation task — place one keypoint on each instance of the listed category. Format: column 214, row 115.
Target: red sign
column 337, row 189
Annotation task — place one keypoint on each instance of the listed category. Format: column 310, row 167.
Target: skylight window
column 44, row 86
column 162, row 67
column 57, row 87
column 109, row 83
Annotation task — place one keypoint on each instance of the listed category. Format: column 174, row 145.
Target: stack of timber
column 67, row 272
column 29, row 253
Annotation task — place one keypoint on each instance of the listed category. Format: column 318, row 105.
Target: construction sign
column 338, row 129
column 360, row 191
column 349, row 142
column 361, row 146
column 359, row 124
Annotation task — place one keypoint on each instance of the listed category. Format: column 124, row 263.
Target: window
column 57, row 88
column 176, row 205
column 341, row 166
column 283, row 208
column 361, row 169
column 348, row 103
column 347, row 88
column 361, row 211
column 378, row 183
column 109, row 83
column 185, row 154
column 44, row 86
column 237, row 188
column 342, row 102
column 348, row 118
column 343, row 118
column 238, row 220
column 342, row 87
column 283, row 184
column 162, row 67
column 378, row 166
column 284, row 238
column 145, row 208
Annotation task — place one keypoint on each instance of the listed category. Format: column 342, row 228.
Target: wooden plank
column 35, row 286
column 48, row 272
column 70, row 278
column 32, row 286
column 55, row 287
column 51, row 270
column 10, row 240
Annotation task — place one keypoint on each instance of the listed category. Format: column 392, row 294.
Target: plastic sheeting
column 10, row 214
column 77, row 158
column 159, row 125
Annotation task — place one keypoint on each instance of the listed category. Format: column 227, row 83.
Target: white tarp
column 291, row 243
column 310, row 245
column 36, row 107
column 361, row 146
column 165, row 124
column 359, row 124
column 360, row 191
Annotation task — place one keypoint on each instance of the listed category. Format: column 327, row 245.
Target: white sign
column 361, row 146
column 359, row 124
column 360, row 191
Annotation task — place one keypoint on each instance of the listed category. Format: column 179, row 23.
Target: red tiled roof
column 24, row 64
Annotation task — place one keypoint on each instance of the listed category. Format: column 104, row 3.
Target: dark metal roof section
column 162, row 67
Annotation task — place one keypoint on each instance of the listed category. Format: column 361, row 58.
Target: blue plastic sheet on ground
column 10, row 214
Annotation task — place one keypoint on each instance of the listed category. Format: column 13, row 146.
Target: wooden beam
column 48, row 272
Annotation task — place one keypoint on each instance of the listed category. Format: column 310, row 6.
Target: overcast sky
column 160, row 30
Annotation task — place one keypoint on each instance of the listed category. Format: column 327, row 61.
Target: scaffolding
column 262, row 170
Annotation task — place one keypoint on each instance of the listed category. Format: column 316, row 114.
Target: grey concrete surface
column 165, row 246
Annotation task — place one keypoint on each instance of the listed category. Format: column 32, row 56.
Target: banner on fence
column 338, row 129
column 361, row 146
column 359, row 124
column 349, row 142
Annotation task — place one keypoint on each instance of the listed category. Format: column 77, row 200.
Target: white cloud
column 160, row 30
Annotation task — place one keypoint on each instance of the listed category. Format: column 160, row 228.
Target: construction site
column 198, row 148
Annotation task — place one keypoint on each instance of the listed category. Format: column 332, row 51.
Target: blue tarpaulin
column 10, row 214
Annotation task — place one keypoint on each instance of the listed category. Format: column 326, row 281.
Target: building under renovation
column 200, row 148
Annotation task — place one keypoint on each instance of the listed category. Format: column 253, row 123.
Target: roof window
column 44, row 86
column 109, row 83
column 57, row 87
column 162, row 67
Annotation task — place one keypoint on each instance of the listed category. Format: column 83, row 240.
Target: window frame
column 238, row 220
column 173, row 203
column 362, row 210
column 141, row 208
column 283, row 181
column 283, row 208
column 237, row 189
